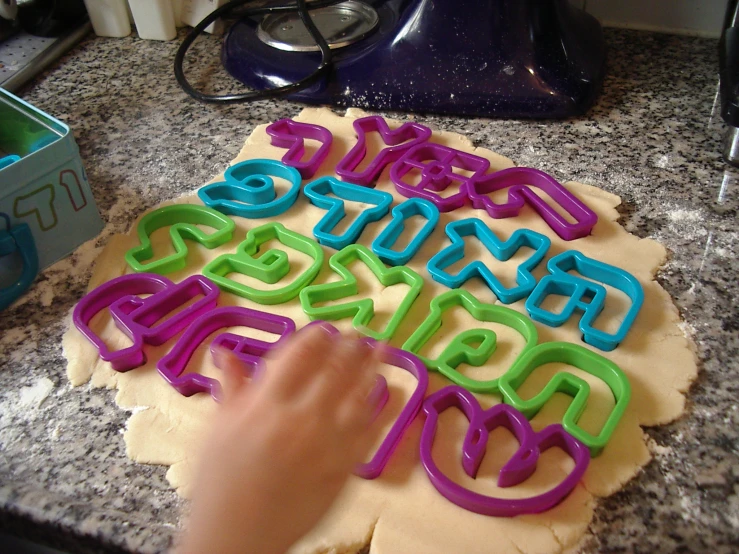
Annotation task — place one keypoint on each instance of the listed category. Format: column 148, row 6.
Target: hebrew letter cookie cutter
column 182, row 220
column 172, row 366
column 249, row 189
column 472, row 346
column 382, row 245
column 125, row 287
column 502, row 250
column 518, row 181
column 270, row 267
column 286, row 133
column 363, row 310
column 568, row 383
column 519, row 468
column 586, row 295
column 317, row 192
column 410, row 363
column 438, row 174
column 398, row 141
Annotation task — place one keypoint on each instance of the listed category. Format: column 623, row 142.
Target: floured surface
column 401, row 510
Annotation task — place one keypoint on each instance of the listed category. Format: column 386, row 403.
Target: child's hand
column 282, row 446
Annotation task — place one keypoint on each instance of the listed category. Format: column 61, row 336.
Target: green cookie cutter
column 472, row 346
column 362, row 310
column 270, row 267
column 567, row 383
column 183, row 219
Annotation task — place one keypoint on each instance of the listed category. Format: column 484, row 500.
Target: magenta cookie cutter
column 519, row 468
column 519, row 182
column 437, row 165
column 398, row 142
column 410, row 363
column 172, row 366
column 140, row 318
column 286, row 133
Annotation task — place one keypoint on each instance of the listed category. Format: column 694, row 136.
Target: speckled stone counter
column 653, row 139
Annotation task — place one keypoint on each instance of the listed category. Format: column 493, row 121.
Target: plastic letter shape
column 398, row 141
column 71, row 183
column 290, row 134
column 585, row 294
column 172, row 366
column 18, row 238
column 520, row 182
column 472, row 346
column 249, row 190
column 410, row 363
column 361, row 310
column 382, row 245
column 39, row 203
column 144, row 320
column 437, row 165
column 182, row 220
column 516, row 470
column 270, row 267
column 318, row 193
column 567, row 383
column 123, row 288
column 502, row 250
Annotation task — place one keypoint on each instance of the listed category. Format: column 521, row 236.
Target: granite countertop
column 653, row 138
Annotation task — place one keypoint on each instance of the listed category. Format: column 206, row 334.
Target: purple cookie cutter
column 438, row 174
column 139, row 318
column 519, row 182
column 398, row 142
column 409, row 362
column 290, row 134
column 519, row 468
column 250, row 351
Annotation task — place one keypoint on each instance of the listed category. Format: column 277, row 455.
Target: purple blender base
column 490, row 58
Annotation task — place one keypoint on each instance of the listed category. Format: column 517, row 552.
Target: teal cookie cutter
column 382, row 245
column 363, row 310
column 567, row 383
column 472, row 346
column 249, row 189
column 182, row 220
column 272, row 266
column 317, row 192
column 585, row 295
column 502, row 250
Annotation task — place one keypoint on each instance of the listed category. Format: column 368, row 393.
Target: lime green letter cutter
column 182, row 219
column 472, row 346
column 567, row 383
column 270, row 267
column 362, row 310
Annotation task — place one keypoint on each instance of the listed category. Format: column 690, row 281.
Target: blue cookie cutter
column 18, row 238
column 317, row 192
column 585, row 295
column 502, row 250
column 249, row 189
column 386, row 239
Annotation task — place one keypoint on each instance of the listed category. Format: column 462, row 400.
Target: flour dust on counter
column 401, row 510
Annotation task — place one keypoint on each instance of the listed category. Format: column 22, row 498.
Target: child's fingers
column 361, row 397
column 295, row 364
column 341, row 374
column 234, row 374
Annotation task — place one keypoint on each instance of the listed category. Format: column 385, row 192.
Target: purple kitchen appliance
column 498, row 58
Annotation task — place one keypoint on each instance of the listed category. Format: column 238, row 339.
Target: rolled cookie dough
column 400, row 511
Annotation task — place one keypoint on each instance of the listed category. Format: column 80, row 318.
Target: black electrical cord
column 300, row 7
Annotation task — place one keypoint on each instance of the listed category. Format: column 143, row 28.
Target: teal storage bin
column 46, row 204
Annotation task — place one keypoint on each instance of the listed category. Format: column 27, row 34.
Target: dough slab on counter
column 401, row 511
